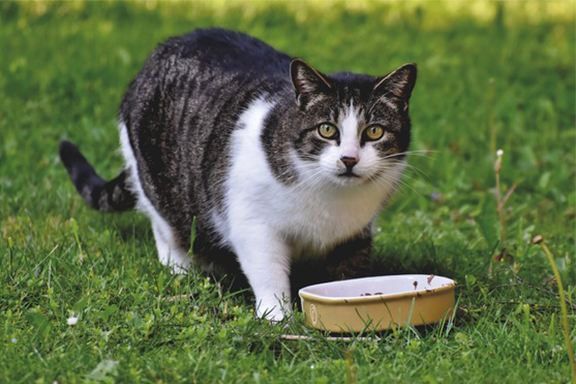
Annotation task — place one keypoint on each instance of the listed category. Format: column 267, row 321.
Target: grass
column 63, row 71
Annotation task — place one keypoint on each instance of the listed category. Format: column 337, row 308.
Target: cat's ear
column 307, row 81
column 397, row 85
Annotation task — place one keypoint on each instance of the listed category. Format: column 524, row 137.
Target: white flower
column 72, row 320
column 499, row 153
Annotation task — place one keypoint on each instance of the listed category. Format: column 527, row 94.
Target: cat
column 275, row 161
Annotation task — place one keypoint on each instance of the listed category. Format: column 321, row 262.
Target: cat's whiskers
column 287, row 172
column 420, row 153
column 386, row 182
column 310, row 174
column 317, row 182
column 389, row 175
column 416, row 170
column 398, row 179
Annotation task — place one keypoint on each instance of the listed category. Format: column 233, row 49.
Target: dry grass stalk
column 540, row 240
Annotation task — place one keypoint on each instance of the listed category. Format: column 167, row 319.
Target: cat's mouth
column 349, row 174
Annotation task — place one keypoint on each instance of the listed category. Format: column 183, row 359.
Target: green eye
column 374, row 132
column 327, row 131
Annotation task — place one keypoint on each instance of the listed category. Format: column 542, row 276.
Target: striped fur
column 111, row 196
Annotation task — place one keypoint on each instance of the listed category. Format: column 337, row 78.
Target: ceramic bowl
column 378, row 303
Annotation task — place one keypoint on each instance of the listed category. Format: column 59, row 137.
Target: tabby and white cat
column 275, row 160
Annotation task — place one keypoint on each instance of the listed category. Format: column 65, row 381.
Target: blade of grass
column 539, row 240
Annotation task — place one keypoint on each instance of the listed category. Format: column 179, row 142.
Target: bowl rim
column 375, row 298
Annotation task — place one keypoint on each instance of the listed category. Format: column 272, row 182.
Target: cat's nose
column 349, row 162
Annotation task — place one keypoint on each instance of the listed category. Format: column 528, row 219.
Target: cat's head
column 354, row 128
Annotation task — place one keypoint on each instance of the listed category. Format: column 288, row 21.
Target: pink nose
column 349, row 162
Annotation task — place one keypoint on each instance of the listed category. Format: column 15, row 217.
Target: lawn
column 492, row 75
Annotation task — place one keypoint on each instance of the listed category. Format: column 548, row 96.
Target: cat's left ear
column 397, row 85
column 307, row 81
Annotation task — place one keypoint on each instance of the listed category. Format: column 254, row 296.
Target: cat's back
column 213, row 54
column 197, row 74
column 227, row 51
column 180, row 111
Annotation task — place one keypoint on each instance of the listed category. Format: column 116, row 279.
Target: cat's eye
column 374, row 132
column 328, row 131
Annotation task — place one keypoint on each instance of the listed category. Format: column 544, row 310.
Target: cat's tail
column 102, row 195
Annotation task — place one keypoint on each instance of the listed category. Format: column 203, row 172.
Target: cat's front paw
column 274, row 310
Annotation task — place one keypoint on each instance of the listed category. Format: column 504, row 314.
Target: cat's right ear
column 307, row 81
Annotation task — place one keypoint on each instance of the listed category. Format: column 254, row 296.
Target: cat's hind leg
column 169, row 252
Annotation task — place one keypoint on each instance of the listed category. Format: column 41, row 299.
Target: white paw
column 178, row 265
column 177, row 269
column 274, row 310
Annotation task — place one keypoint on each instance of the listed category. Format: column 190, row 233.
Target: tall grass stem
column 539, row 240
column 500, row 203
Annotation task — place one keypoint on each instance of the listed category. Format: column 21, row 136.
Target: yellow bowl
column 378, row 303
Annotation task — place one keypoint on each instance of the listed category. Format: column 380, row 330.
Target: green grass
column 63, row 71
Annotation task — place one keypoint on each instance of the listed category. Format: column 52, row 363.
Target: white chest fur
column 310, row 217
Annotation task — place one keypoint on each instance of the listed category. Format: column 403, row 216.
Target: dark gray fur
column 111, row 196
